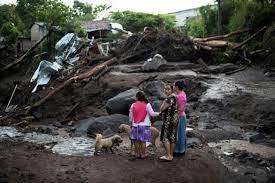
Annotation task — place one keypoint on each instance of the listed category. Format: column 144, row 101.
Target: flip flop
column 164, row 158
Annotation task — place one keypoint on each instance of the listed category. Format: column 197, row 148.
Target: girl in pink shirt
column 139, row 117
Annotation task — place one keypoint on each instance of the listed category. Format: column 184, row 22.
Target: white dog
column 106, row 143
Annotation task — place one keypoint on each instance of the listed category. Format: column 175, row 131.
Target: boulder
column 153, row 64
column 106, row 125
column 121, row 103
column 155, row 88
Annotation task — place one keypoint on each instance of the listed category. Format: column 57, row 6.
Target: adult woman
column 170, row 122
column 181, row 101
column 139, row 117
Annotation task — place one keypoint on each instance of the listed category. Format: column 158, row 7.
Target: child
column 139, row 117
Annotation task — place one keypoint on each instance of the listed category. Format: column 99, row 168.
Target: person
column 169, row 113
column 181, row 101
column 139, row 116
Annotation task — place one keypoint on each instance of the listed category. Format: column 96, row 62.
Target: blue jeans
column 181, row 144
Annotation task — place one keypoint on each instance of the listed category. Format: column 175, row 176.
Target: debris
column 250, row 38
column 11, row 108
column 24, row 56
column 153, row 64
column 71, row 111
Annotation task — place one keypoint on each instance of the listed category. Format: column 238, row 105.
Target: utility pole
column 219, row 17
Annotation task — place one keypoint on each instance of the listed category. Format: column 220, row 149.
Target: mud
column 222, row 110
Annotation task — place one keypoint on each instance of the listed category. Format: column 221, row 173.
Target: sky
column 148, row 6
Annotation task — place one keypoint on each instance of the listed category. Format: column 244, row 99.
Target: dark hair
column 141, row 96
column 170, row 85
column 180, row 84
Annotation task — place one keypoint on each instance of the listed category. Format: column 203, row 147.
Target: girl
column 169, row 113
column 139, row 117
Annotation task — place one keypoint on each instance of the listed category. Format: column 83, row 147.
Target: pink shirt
column 182, row 100
column 139, row 112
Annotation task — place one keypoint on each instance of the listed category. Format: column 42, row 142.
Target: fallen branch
column 221, row 36
column 23, row 56
column 237, row 70
column 150, row 78
column 72, row 110
column 250, row 38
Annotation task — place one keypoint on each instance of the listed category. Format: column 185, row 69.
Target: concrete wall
column 182, row 16
column 37, row 32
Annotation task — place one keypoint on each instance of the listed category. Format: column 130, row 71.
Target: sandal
column 164, row 158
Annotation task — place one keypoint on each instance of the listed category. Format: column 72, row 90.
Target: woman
column 169, row 113
column 139, row 117
column 181, row 101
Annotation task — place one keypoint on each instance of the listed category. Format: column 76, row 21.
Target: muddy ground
column 231, row 117
column 25, row 162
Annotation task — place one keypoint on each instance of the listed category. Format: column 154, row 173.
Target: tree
column 9, row 32
column 27, row 11
column 136, row 21
column 86, row 11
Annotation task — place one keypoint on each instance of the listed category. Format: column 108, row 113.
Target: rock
column 57, row 124
column 253, row 136
column 155, row 104
column 193, row 142
column 106, row 125
column 222, row 68
column 154, row 63
column 121, row 103
column 155, row 88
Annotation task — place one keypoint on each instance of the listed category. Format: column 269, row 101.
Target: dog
column 123, row 128
column 106, row 143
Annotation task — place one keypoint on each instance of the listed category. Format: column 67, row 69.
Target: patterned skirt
column 141, row 133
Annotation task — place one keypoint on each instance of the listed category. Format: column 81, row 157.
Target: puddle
column 64, row 145
column 227, row 146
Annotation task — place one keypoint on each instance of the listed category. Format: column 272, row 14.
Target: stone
column 106, row 125
column 154, row 63
column 57, row 124
column 121, row 103
column 193, row 142
column 256, row 137
column 155, row 88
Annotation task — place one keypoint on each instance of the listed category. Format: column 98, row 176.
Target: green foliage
column 9, row 32
column 194, row 27
column 54, row 12
column 136, row 21
column 27, row 11
column 235, row 14
column 86, row 11
column 209, row 19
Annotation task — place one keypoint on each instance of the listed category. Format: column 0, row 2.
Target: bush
column 10, row 32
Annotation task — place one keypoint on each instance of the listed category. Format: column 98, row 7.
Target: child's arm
column 131, row 115
column 151, row 111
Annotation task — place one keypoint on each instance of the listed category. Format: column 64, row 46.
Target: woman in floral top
column 170, row 123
